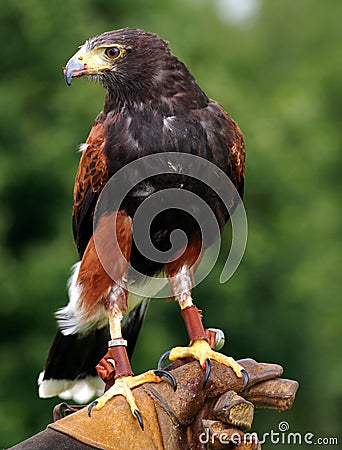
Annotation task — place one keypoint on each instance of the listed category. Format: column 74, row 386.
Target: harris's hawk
column 152, row 106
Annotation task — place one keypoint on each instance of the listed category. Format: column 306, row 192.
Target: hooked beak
column 84, row 62
column 74, row 68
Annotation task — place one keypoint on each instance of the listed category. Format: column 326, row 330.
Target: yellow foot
column 201, row 350
column 124, row 385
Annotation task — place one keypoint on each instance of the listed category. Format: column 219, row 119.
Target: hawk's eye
column 112, row 52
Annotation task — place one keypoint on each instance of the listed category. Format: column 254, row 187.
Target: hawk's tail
column 70, row 367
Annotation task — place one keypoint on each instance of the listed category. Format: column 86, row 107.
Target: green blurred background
column 277, row 68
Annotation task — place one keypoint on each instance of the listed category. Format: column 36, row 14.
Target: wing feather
column 235, row 145
column 91, row 177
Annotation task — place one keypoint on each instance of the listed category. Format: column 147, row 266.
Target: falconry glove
column 192, row 418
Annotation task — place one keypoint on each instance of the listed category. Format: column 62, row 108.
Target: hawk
column 152, row 106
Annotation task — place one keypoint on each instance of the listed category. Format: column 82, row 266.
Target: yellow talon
column 201, row 350
column 123, row 386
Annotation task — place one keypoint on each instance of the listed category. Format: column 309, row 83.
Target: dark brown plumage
column 153, row 105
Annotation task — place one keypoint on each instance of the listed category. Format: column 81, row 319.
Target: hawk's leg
column 115, row 368
column 180, row 273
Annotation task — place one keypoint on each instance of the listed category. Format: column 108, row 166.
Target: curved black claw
column 91, row 406
column 165, row 373
column 163, row 357
column 245, row 379
column 207, row 372
column 140, row 419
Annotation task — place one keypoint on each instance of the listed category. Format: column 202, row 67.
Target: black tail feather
column 73, row 357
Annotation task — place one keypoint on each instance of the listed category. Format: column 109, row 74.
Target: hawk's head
column 131, row 63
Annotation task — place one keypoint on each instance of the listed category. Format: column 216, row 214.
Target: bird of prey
column 153, row 105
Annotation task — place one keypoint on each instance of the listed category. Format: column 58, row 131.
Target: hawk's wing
column 236, row 153
column 232, row 138
column 91, row 177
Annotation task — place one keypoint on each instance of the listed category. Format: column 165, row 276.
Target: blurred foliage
column 279, row 75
